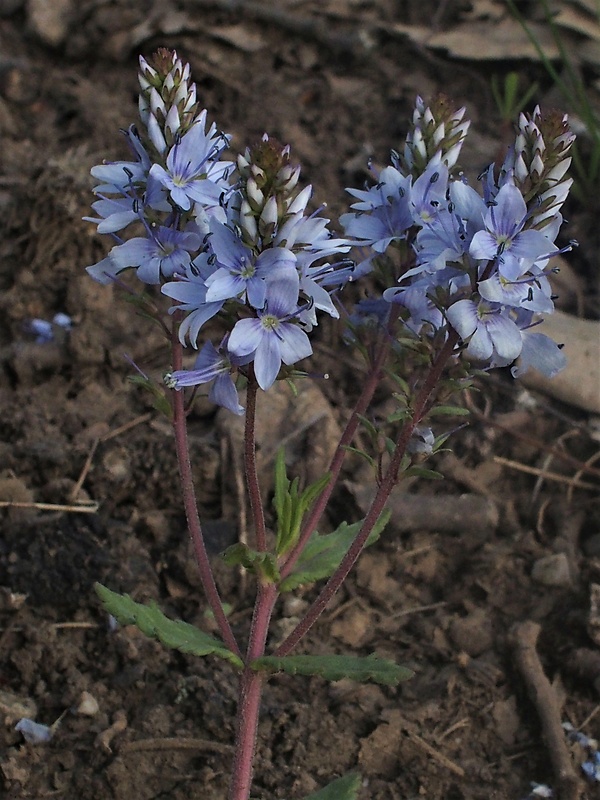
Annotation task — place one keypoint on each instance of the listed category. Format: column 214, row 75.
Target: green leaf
column 255, row 561
column 334, row 668
column 344, row 788
column 362, row 454
column 323, row 554
column 175, row 634
column 450, row 411
column 291, row 505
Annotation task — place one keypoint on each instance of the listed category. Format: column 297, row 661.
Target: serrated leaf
column 344, row 788
column 333, row 668
column 255, row 561
column 323, row 554
column 175, row 634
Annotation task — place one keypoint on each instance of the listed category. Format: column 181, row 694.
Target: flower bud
column 167, row 101
column 539, row 163
column 437, row 132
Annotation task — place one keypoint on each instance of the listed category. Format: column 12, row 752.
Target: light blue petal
column 104, row 271
column 267, row 360
column 480, row 346
column 483, row 246
column 245, row 337
column 224, row 393
column 463, row 317
column 222, row 285
column 256, row 290
column 505, row 336
column 542, row 353
column 191, row 325
column 294, row 343
column 133, row 252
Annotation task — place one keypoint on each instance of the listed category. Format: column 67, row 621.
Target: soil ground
column 513, row 531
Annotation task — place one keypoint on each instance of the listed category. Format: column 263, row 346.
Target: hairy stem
column 422, row 405
column 256, row 505
column 251, row 684
column 190, row 505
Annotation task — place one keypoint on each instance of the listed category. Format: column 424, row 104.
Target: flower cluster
column 232, row 239
column 478, row 264
column 222, row 238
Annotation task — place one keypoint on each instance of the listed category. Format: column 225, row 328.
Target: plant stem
column 362, row 404
column 251, row 683
column 190, row 505
column 386, row 486
column 258, row 514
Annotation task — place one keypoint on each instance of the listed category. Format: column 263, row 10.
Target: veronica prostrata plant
column 457, row 280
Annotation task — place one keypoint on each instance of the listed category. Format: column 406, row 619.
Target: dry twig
column 524, row 636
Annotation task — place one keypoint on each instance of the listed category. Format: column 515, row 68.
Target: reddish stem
column 251, row 683
column 390, row 479
column 190, row 505
column 258, row 514
column 362, row 404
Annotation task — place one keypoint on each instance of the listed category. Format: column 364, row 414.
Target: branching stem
column 362, row 404
column 422, row 405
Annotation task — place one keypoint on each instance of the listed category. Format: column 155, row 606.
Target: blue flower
column 240, row 273
column 271, row 338
column 428, row 194
column 504, row 239
column 163, row 252
column 193, row 172
column 190, row 292
column 492, row 336
column 382, row 213
column 211, row 366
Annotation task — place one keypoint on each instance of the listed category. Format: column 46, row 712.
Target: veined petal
column 267, row 360
column 542, row 353
column 480, row 346
column 223, row 393
column 505, row 336
column 463, row 317
column 190, row 326
column 483, row 246
column 294, row 343
column 245, row 337
column 222, row 285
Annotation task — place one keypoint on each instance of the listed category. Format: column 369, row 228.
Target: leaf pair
column 186, row 638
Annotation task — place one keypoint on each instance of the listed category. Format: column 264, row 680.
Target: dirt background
column 512, row 534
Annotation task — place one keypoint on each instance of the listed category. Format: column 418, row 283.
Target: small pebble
column 552, row 571
column 88, row 705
